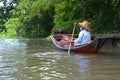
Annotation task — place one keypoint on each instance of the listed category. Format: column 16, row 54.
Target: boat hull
column 85, row 51
column 63, row 42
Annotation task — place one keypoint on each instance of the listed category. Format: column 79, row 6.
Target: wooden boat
column 62, row 42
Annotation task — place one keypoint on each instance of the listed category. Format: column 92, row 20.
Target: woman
column 84, row 36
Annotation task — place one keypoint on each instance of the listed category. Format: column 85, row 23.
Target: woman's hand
column 75, row 24
column 72, row 40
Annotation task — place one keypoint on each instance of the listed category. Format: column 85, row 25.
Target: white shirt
column 83, row 38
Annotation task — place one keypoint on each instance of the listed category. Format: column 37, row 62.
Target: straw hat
column 85, row 24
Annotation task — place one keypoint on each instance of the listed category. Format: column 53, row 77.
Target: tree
column 36, row 17
column 103, row 14
column 5, row 8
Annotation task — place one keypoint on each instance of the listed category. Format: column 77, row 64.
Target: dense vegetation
column 40, row 18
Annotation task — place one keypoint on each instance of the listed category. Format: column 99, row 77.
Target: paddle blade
column 69, row 49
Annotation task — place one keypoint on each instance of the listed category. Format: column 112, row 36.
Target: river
column 38, row 59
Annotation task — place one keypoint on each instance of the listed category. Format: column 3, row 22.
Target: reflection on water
column 37, row 59
column 84, row 66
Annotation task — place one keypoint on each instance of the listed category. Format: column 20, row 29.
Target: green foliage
column 36, row 17
column 66, row 11
column 5, row 14
column 103, row 14
column 11, row 27
column 40, row 18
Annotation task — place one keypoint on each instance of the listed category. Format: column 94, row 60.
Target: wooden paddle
column 71, row 41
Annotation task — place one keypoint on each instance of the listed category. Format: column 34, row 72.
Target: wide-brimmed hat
column 85, row 24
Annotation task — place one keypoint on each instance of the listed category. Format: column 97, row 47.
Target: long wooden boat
column 62, row 42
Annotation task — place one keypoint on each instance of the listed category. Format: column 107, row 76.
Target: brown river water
column 38, row 59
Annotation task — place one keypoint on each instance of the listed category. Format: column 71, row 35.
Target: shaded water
column 38, row 59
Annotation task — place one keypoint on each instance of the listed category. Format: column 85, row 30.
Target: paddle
column 71, row 41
